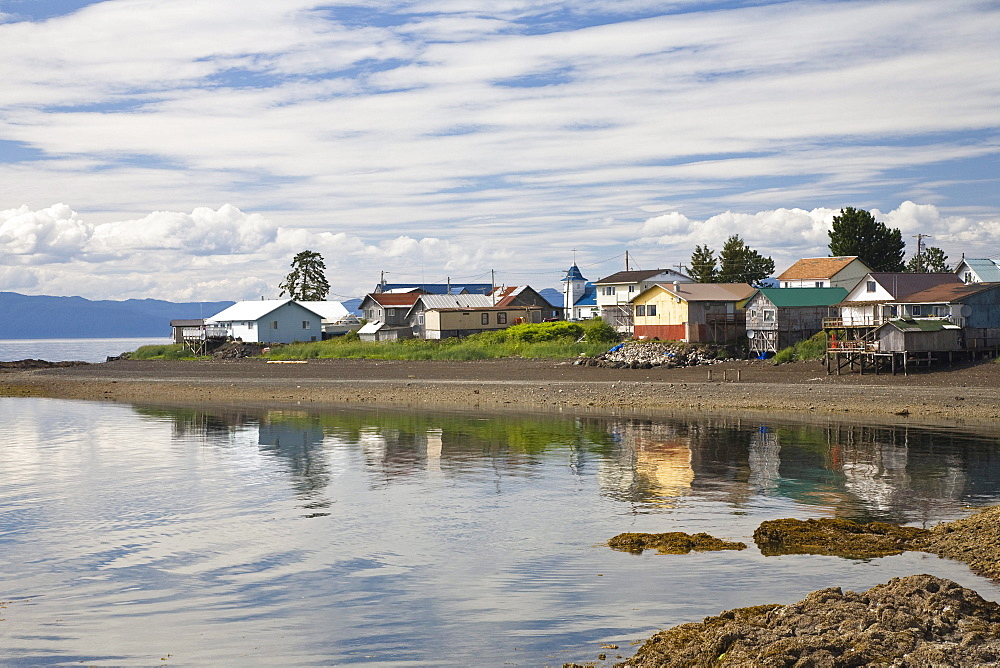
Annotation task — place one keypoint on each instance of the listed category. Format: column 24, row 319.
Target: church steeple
column 574, row 285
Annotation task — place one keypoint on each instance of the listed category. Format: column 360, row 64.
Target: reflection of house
column 270, row 321
column 692, row 312
column 824, row 272
column 579, row 296
column 978, row 270
column 615, row 293
column 780, row 317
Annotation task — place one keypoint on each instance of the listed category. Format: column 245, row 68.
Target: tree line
column 854, row 232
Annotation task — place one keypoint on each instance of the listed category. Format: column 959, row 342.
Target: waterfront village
column 874, row 321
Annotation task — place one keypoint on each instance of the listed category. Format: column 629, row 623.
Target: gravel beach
column 968, row 392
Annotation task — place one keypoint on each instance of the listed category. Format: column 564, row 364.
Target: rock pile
column 649, row 354
column 919, row 620
column 236, row 350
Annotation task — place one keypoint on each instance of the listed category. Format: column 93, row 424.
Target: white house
column 844, row 271
column 270, row 321
column 978, row 270
column 615, row 293
column 336, row 318
column 871, row 302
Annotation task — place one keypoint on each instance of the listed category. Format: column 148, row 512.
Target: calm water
column 279, row 537
column 70, row 350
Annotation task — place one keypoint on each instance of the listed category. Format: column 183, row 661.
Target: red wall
column 662, row 332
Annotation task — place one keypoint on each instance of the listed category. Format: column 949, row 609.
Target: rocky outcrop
column 649, row 354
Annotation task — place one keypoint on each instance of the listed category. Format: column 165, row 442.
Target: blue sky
column 187, row 150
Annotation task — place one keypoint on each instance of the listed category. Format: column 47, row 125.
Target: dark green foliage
column 307, row 280
column 931, row 260
column 596, row 330
column 703, row 269
column 741, row 264
column 856, row 232
column 812, row 348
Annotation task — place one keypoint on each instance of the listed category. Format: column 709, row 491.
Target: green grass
column 812, row 348
column 547, row 340
column 173, row 351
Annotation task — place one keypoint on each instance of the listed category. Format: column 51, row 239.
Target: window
column 389, row 312
column 608, row 290
column 501, row 318
column 651, row 309
column 819, row 284
column 769, row 315
column 306, row 325
column 250, row 325
column 631, row 288
column 788, row 284
column 917, row 310
column 274, row 324
column 968, row 277
column 486, row 318
column 420, row 319
column 870, row 286
column 640, row 309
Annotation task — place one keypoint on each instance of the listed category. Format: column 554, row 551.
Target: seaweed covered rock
column 974, row 540
column 919, row 620
column 673, row 542
column 835, row 537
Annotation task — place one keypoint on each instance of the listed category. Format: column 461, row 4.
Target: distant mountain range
column 40, row 317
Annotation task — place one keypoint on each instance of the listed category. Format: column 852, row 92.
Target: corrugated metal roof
column 395, row 298
column 901, row 284
column 456, row 301
column 638, row 276
column 945, row 294
column 919, row 325
column 708, row 292
column 986, row 269
column 327, row 310
column 791, row 297
column 817, row 267
column 248, row 310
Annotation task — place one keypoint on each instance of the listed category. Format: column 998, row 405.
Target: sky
column 187, row 150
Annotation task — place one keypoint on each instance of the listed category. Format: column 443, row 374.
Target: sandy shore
column 969, row 392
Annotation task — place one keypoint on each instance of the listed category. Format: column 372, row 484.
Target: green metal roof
column 786, row 297
column 919, row 325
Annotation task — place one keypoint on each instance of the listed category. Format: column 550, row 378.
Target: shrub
column 598, row 331
column 172, row 351
column 812, row 348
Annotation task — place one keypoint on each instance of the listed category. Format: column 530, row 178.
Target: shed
column 376, row 330
column 918, row 336
column 780, row 317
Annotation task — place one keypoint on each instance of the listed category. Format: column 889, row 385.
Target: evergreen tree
column 703, row 269
column 856, row 232
column 307, row 280
column 741, row 264
column 931, row 260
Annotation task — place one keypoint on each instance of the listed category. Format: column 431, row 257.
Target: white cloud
column 17, row 278
column 53, row 234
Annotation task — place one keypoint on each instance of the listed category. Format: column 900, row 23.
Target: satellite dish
column 750, row 333
column 965, row 311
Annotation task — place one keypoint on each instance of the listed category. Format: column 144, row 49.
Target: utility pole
column 920, row 238
column 626, row 260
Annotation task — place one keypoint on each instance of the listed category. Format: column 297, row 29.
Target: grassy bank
column 549, row 340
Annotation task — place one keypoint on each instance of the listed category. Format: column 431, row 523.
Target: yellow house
column 692, row 312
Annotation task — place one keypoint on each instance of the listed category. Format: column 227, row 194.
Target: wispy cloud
column 438, row 136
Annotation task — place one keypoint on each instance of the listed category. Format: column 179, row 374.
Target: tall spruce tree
column 740, row 264
column 703, row 269
column 856, row 232
column 307, row 280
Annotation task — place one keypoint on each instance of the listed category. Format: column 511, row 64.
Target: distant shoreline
column 964, row 392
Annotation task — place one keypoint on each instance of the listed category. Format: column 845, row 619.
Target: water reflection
column 897, row 474
column 284, row 536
